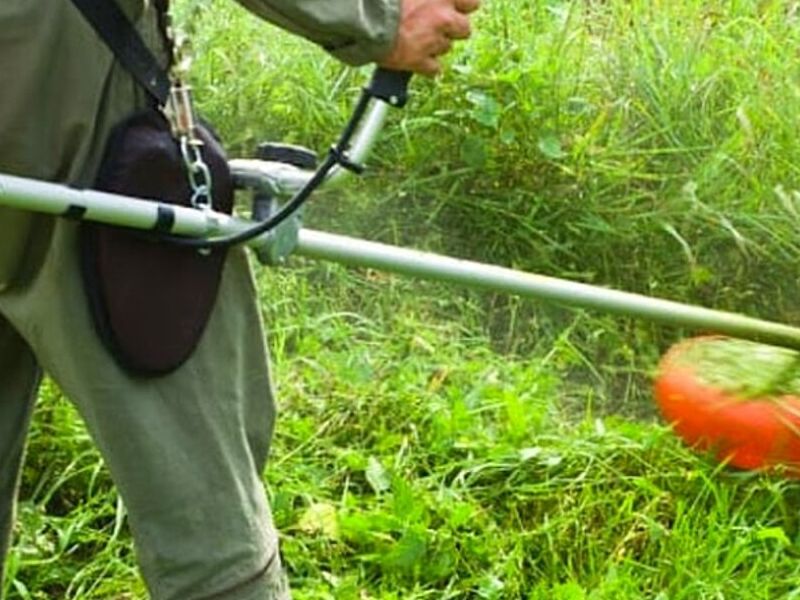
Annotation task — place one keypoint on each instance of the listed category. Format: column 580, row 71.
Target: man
column 185, row 450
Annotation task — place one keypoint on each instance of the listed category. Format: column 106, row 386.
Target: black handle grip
column 390, row 86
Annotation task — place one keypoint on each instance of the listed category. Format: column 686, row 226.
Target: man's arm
column 406, row 35
column 354, row 31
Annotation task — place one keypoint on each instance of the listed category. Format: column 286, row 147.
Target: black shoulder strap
column 119, row 34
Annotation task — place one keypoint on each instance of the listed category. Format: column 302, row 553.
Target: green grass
column 438, row 443
column 413, row 461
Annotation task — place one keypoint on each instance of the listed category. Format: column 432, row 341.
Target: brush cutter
column 753, row 426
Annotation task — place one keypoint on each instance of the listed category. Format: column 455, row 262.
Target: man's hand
column 427, row 30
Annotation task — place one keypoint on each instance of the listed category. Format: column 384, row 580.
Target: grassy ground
column 436, row 443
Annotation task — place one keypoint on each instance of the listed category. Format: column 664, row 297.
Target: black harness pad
column 151, row 300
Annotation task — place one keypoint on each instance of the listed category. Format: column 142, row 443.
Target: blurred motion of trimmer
column 281, row 178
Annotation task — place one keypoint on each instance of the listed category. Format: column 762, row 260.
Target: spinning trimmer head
column 736, row 399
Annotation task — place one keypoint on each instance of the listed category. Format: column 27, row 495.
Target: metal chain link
column 199, row 173
column 181, row 115
column 184, row 128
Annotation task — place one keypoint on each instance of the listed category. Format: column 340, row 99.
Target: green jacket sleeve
column 354, row 31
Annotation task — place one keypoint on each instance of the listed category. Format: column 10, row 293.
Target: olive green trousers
column 186, row 451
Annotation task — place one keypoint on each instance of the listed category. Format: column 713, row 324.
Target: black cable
column 337, row 155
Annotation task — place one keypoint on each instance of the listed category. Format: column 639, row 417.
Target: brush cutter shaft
column 28, row 194
column 113, row 209
column 361, row 253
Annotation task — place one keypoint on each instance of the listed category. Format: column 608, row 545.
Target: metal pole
column 27, row 194
column 113, row 209
column 361, row 253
